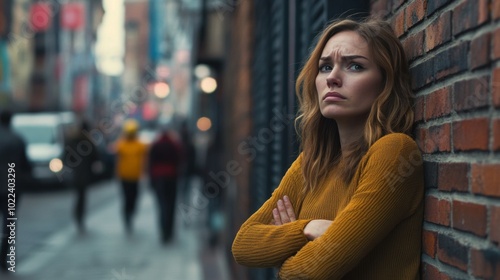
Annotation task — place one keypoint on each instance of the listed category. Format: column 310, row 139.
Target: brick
column 431, row 174
column 452, row 252
column 471, row 135
column 438, row 32
column 469, row 14
column 415, row 13
column 471, row 94
column 438, row 103
column 451, row 61
column 433, row 5
column 429, row 242
column 439, row 139
column 422, row 74
column 437, row 211
column 485, row 264
column 495, row 87
column 496, row 44
column 421, row 137
column 398, row 23
column 480, row 50
column 496, row 135
column 496, row 10
column 470, row 217
column 485, row 179
column 430, row 272
column 419, row 108
column 495, row 225
column 453, row 176
column 413, row 45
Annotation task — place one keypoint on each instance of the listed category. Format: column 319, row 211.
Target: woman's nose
column 334, row 78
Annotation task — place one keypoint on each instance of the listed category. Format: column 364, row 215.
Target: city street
column 48, row 245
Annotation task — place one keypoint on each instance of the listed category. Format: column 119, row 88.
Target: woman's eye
column 325, row 68
column 355, row 67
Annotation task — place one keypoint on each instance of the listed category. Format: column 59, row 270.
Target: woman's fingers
column 284, row 212
column 289, row 208
column 276, row 217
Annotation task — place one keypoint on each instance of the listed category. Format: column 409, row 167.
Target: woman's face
column 348, row 80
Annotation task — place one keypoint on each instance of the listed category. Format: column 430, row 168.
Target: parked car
column 44, row 136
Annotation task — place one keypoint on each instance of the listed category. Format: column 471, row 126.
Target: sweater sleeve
column 390, row 178
column 258, row 243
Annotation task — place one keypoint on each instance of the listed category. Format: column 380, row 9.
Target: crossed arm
column 284, row 213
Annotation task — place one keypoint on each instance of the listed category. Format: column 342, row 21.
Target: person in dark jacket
column 164, row 161
column 15, row 173
column 82, row 157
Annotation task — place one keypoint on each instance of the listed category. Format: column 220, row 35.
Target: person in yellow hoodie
column 130, row 160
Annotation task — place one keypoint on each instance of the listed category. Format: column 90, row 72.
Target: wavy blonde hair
column 391, row 111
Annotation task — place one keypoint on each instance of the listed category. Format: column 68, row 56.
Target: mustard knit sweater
column 377, row 220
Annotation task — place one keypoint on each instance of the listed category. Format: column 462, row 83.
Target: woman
column 351, row 205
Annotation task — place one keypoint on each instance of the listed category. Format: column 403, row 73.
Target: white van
column 44, row 136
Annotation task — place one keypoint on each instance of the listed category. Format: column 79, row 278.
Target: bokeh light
column 208, row 85
column 204, row 124
column 161, row 90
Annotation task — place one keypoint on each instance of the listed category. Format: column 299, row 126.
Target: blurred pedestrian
column 15, row 173
column 130, row 160
column 165, row 157
column 82, row 157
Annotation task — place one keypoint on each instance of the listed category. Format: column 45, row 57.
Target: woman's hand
column 316, row 228
column 284, row 213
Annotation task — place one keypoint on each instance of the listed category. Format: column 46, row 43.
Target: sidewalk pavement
column 106, row 252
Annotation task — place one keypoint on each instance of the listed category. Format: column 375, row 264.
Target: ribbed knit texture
column 377, row 220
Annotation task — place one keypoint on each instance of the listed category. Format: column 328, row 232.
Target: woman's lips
column 334, row 96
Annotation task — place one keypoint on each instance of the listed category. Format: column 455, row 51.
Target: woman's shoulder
column 394, row 143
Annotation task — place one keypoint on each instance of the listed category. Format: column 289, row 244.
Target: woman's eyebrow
column 344, row 57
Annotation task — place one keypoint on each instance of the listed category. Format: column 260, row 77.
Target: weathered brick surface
column 486, row 179
column 471, row 134
column 453, row 47
column 429, row 241
column 485, row 264
column 453, row 176
column 415, row 13
column 437, row 211
column 480, row 50
column 438, row 103
column 471, row 94
column 494, row 222
column 470, row 217
column 469, row 14
column 495, row 86
column 452, row 252
column 433, row 5
column 438, row 32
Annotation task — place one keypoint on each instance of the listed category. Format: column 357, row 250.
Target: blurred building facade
column 47, row 61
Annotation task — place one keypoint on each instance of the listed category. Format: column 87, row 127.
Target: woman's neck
column 349, row 132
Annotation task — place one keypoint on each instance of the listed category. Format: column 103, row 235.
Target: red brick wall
column 454, row 50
